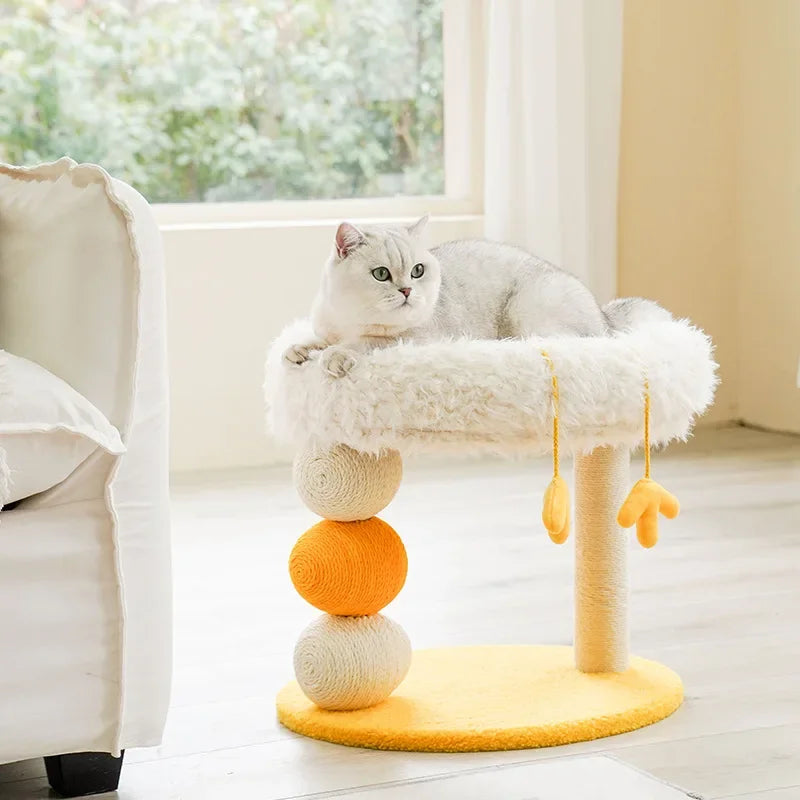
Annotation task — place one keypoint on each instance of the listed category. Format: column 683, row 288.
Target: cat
column 380, row 284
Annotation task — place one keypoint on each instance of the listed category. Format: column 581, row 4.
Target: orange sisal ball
column 349, row 568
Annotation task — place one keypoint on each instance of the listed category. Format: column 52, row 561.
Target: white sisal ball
column 347, row 663
column 345, row 485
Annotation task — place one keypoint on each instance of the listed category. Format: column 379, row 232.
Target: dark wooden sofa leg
column 78, row 774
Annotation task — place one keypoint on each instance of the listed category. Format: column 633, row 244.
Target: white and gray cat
column 381, row 284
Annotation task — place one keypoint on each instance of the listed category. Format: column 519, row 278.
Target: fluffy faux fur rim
column 495, row 396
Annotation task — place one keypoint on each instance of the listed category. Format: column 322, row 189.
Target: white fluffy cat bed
column 354, row 684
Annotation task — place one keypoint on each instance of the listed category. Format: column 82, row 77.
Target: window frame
column 462, row 21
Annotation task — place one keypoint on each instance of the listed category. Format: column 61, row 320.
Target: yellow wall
column 709, row 218
column 677, row 186
column 768, row 221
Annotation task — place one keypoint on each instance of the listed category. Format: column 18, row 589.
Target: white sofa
column 85, row 579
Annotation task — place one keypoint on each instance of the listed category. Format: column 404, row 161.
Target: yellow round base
column 461, row 699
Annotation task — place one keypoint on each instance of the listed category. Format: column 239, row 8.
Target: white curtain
column 552, row 132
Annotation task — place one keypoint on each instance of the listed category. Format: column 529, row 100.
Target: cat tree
column 354, row 683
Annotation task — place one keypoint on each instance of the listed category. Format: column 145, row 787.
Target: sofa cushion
column 47, row 429
column 69, row 280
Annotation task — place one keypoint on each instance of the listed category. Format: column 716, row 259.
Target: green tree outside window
column 223, row 100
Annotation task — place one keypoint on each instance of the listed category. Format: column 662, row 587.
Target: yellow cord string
column 646, row 428
column 554, row 381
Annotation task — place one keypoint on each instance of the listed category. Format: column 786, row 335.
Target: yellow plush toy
column 647, row 497
column 642, row 505
column 555, row 513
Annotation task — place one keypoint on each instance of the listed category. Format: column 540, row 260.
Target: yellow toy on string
column 644, row 501
column 555, row 513
column 647, row 497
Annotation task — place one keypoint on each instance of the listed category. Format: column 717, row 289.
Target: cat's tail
column 627, row 313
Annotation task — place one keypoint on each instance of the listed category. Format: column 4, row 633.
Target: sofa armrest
column 110, row 344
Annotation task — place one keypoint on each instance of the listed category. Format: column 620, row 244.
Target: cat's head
column 379, row 277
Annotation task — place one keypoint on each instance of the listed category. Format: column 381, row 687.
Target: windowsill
column 266, row 224
column 281, row 214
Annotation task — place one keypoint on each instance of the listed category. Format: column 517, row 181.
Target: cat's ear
column 347, row 238
column 416, row 230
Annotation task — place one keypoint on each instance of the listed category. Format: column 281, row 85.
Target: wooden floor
column 718, row 600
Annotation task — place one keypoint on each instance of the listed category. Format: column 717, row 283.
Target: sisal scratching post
column 344, row 485
column 601, row 571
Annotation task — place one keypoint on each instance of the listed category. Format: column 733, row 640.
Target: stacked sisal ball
column 351, row 565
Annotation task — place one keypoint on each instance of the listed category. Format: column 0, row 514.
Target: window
column 230, row 100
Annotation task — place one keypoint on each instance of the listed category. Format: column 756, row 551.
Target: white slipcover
column 85, row 592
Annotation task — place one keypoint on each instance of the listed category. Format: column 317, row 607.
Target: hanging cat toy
column 643, row 504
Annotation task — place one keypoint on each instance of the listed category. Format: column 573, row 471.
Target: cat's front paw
column 337, row 361
column 300, row 353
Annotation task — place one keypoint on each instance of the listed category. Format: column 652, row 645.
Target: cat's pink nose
column 405, row 291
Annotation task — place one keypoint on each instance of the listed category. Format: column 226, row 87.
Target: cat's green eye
column 418, row 270
column 381, row 274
